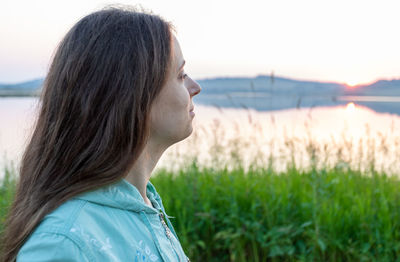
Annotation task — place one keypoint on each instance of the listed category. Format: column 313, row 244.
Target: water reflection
column 17, row 116
column 348, row 136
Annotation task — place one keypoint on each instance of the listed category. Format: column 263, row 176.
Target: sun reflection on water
column 350, row 108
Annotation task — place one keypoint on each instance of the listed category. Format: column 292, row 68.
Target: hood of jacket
column 124, row 195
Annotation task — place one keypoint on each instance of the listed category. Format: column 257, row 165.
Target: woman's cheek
column 182, row 99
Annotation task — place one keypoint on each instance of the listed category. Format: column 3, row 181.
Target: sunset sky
column 348, row 41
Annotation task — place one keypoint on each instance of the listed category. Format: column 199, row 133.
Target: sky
column 346, row 41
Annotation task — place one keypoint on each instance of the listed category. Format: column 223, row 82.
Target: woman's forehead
column 177, row 54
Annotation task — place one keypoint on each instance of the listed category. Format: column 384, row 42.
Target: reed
column 233, row 139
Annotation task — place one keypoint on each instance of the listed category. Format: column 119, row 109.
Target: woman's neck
column 141, row 171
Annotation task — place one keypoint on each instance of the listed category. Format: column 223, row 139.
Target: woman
column 115, row 98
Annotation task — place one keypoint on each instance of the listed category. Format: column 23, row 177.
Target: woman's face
column 172, row 111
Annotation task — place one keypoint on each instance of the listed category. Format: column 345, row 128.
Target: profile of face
column 172, row 111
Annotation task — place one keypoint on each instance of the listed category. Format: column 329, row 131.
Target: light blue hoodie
column 112, row 223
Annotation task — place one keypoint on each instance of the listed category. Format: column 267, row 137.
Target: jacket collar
column 123, row 195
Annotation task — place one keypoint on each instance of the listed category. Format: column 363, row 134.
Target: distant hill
column 29, row 88
column 266, row 93
column 33, row 84
column 262, row 83
column 378, row 88
column 275, row 93
column 287, row 86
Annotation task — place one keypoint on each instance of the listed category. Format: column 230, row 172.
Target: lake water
column 343, row 136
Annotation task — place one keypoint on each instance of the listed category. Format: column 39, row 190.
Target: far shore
column 19, row 93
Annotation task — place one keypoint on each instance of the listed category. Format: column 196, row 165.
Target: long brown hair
column 93, row 120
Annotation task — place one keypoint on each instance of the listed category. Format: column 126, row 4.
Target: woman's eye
column 183, row 76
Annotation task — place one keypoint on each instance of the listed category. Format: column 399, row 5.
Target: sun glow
column 352, row 84
column 350, row 108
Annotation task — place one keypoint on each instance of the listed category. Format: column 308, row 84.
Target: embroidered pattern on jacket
column 99, row 245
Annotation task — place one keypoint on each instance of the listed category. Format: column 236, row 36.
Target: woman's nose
column 194, row 87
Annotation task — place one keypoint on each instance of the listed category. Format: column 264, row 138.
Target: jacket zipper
column 168, row 232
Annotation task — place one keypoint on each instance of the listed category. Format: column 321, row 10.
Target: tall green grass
column 261, row 215
column 7, row 191
column 331, row 215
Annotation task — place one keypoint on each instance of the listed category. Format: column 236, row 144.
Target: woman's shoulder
column 80, row 230
column 46, row 246
column 52, row 239
column 61, row 219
